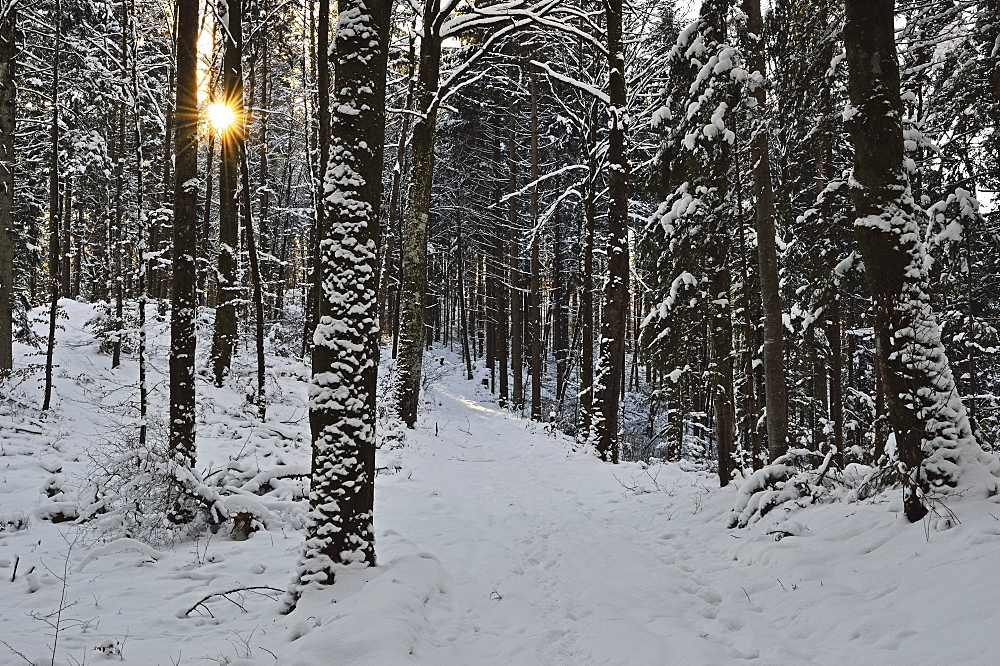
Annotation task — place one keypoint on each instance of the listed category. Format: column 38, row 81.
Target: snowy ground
column 497, row 544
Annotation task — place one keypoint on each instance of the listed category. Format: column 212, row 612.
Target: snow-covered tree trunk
column 8, row 93
column 409, row 364
column 586, row 313
column 231, row 139
column 775, row 388
column 925, row 412
column 611, row 364
column 184, row 297
column 345, row 352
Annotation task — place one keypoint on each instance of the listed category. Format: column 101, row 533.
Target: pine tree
column 928, row 419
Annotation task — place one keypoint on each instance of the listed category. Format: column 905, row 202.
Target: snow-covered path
column 497, row 544
column 553, row 557
column 564, row 565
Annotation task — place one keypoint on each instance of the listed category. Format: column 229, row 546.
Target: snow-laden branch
column 576, row 83
column 541, row 179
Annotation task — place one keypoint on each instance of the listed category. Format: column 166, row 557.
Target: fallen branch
column 253, row 589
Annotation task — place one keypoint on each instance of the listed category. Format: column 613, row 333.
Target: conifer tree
column 929, row 421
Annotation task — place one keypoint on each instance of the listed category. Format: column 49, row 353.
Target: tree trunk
column 230, row 138
column 775, row 388
column 463, row 313
column 925, row 412
column 206, row 227
column 586, row 315
column 616, row 290
column 535, row 302
column 345, row 355
column 516, row 298
column 560, row 320
column 54, row 216
column 836, row 381
column 414, row 289
column 721, row 366
column 260, row 397
column 753, row 409
column 8, row 118
column 130, row 17
column 184, row 296
column 117, row 235
column 395, row 186
column 501, row 292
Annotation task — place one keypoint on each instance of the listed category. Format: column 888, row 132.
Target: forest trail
column 517, row 528
column 554, row 557
column 553, row 560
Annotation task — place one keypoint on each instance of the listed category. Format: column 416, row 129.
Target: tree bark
column 586, row 314
column 231, row 139
column 413, row 333
column 516, row 301
column 925, row 412
column 535, row 284
column 721, row 365
column 395, row 186
column 8, row 119
column 611, row 366
column 184, row 296
column 54, row 216
column 775, row 387
column 345, row 355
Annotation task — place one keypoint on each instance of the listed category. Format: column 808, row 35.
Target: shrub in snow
column 791, row 480
column 131, row 492
column 107, row 328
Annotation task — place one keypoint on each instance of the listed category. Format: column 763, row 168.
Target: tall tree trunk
column 501, row 295
column 54, row 216
column 117, row 235
column 395, row 186
column 413, row 331
column 611, row 366
column 516, row 301
column 206, row 227
column 926, row 415
column 535, row 300
column 463, row 313
column 345, row 355
column 836, row 380
column 586, row 314
column 319, row 143
column 775, row 387
column 753, row 409
column 184, row 295
column 260, row 396
column 160, row 234
column 66, row 245
column 721, row 365
column 560, row 298
column 231, row 139
column 130, row 16
column 8, row 118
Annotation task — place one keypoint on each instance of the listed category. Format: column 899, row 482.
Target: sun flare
column 220, row 116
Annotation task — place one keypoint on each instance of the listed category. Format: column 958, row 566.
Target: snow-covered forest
column 507, row 332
